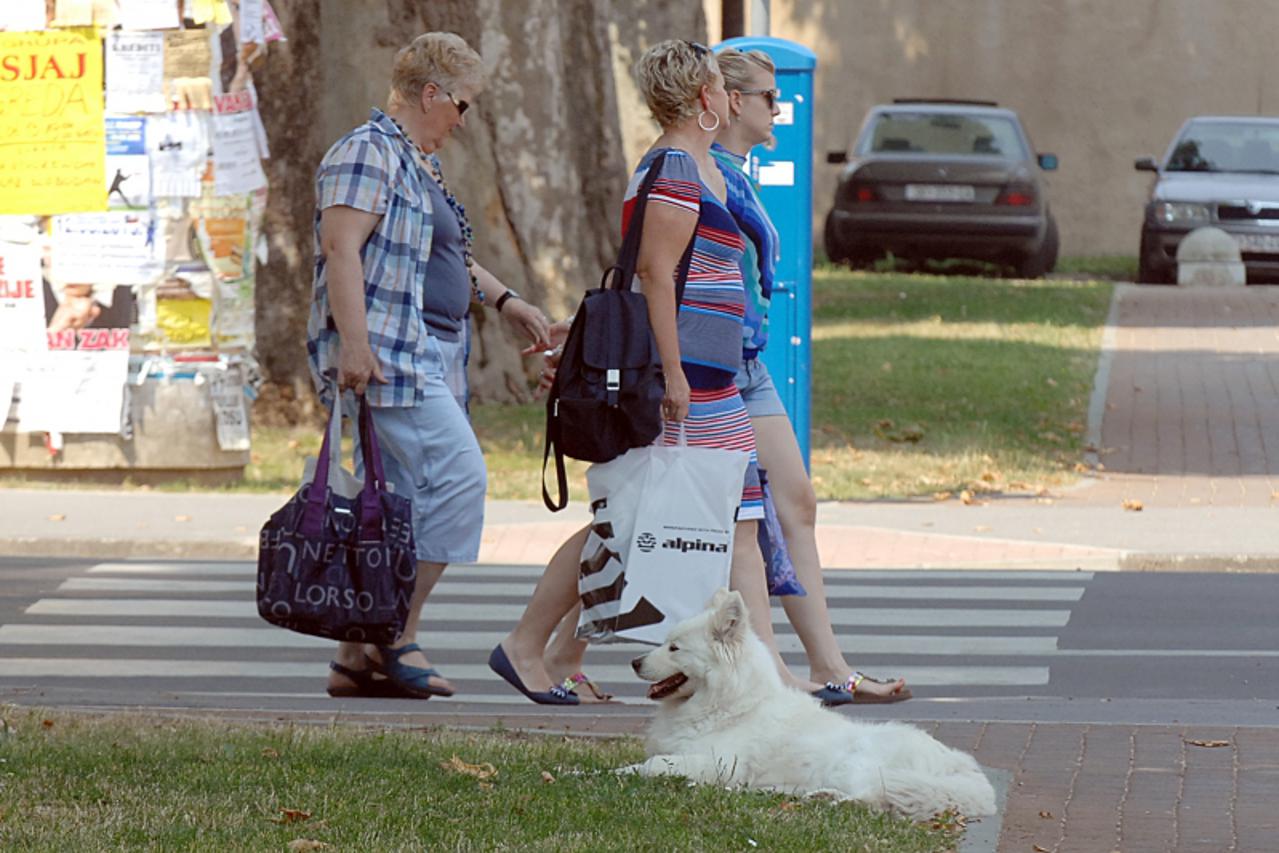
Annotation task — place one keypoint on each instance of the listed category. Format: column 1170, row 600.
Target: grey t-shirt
column 446, row 294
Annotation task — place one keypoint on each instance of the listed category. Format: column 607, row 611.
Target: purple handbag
column 336, row 565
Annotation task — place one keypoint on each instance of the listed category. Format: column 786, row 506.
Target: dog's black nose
column 637, row 663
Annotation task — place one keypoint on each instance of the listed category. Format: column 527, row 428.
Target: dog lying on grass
column 726, row 718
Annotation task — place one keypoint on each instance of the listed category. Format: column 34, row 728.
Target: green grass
column 88, row 783
column 1106, row 267
column 926, row 384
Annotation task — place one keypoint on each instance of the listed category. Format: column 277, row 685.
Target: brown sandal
column 580, row 679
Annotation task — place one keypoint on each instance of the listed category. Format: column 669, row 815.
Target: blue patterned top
column 759, row 262
column 374, row 168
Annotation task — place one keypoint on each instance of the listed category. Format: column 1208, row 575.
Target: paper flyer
column 22, row 16
column 135, row 72
column 21, row 301
column 128, row 167
column 77, row 386
column 51, row 128
column 149, row 15
column 237, row 168
column 178, row 145
column 106, row 248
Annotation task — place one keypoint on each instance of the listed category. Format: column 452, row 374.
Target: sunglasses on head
column 698, row 48
column 771, row 96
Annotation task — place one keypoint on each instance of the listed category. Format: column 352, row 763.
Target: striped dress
column 710, row 317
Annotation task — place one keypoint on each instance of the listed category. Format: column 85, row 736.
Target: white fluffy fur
column 735, row 723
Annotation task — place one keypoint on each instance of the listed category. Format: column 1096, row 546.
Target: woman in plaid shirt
column 394, row 278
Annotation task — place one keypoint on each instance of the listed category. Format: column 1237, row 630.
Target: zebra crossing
column 169, row 631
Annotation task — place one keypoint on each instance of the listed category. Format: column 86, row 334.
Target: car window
column 951, row 134
column 1222, row 146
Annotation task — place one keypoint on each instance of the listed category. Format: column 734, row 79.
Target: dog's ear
column 717, row 599
column 728, row 621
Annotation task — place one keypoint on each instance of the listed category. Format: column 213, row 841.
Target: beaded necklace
column 432, row 165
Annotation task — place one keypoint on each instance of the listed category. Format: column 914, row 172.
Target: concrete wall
column 1097, row 82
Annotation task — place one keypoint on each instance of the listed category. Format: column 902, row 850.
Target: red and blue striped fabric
column 717, row 418
column 714, row 303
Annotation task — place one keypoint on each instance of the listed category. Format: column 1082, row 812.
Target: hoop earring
column 713, row 127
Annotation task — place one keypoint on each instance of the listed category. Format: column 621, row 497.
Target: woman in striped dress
column 699, row 339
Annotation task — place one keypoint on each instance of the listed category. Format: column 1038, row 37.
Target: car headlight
column 1178, row 211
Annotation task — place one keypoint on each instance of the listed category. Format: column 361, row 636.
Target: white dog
column 726, row 717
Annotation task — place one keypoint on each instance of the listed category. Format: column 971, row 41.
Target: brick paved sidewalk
column 1191, row 413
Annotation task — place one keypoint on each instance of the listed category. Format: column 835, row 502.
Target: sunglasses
column 698, row 48
column 460, row 105
column 772, row 96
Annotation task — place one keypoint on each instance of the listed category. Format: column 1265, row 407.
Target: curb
column 1156, row 562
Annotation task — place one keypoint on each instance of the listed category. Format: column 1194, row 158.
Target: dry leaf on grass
column 291, row 816
column 48, row 724
column 268, row 752
column 1133, row 505
column 479, row 771
column 547, row 777
column 1209, row 743
column 942, row 496
column 300, row 845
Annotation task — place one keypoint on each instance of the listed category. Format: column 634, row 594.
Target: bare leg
column 555, row 595
column 796, row 504
column 747, row 577
column 351, row 655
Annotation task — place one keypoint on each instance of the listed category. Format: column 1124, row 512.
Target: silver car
column 1221, row 171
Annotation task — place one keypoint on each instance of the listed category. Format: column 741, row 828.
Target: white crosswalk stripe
column 193, row 626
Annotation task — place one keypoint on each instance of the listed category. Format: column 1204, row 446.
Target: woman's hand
column 557, row 333
column 530, row 320
column 675, row 401
column 357, row 367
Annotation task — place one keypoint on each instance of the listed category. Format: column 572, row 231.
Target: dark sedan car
column 1221, row 171
column 936, row 180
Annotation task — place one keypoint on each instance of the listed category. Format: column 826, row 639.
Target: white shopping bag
column 661, row 541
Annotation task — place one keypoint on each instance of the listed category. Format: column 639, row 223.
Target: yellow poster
column 52, row 133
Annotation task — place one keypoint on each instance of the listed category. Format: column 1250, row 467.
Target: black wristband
column 501, row 300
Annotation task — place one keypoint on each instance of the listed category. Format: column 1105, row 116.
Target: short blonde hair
column 444, row 59
column 738, row 66
column 671, row 74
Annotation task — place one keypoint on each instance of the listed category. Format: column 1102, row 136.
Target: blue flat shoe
column 414, row 681
column 501, row 664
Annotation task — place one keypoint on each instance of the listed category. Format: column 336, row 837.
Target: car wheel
column 1044, row 259
column 1148, row 273
column 836, row 251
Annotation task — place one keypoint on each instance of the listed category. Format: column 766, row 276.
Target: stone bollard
column 1209, row 257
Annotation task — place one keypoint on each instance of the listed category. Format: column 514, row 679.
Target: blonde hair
column 444, row 59
column 738, row 66
column 671, row 74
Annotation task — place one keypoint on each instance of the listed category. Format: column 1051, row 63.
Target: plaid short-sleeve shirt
column 374, row 168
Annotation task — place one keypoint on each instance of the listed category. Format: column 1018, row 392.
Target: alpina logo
column 646, row 542
column 685, row 545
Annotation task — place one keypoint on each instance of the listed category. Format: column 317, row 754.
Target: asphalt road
column 974, row 645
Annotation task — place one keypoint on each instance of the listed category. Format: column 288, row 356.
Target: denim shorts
column 757, row 389
column 431, row 456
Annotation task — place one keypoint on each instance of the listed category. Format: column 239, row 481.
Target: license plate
column 1263, row 243
column 940, row 192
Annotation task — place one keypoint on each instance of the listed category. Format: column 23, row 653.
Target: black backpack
column 608, row 388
